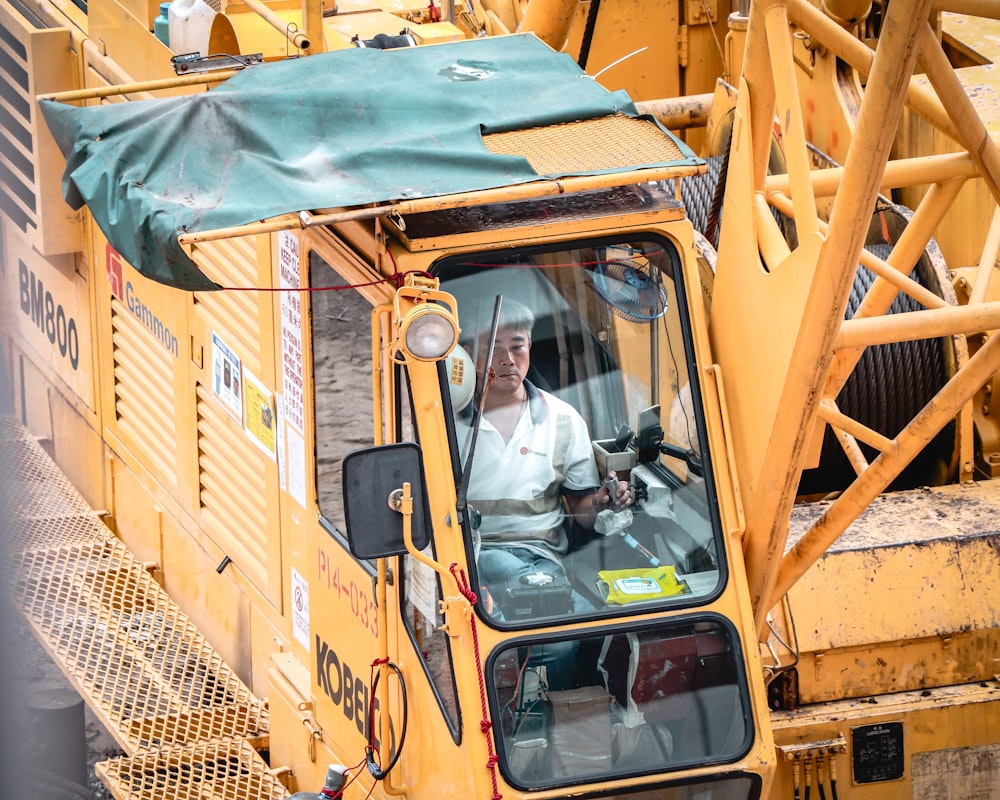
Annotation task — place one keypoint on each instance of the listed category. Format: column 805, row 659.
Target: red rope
column 371, row 698
column 485, row 725
column 397, row 278
column 559, row 265
column 302, row 288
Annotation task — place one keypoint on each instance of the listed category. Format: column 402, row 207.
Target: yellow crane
column 269, row 305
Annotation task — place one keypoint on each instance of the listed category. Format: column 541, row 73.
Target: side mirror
column 372, row 479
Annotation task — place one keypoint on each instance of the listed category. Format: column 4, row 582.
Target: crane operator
column 534, row 479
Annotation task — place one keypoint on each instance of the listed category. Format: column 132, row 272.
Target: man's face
column 511, row 358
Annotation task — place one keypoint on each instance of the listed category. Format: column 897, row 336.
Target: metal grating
column 30, row 485
column 153, row 677
column 591, row 145
column 212, row 771
column 149, row 675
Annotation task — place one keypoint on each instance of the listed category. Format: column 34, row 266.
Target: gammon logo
column 114, row 261
column 126, row 293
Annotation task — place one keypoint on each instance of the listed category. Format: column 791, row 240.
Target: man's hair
column 513, row 314
column 517, row 316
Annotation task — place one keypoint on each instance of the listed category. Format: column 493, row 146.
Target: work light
column 428, row 332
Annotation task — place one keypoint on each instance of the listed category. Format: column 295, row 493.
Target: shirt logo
column 525, row 451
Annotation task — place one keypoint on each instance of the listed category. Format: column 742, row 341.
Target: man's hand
column 613, row 491
column 585, row 508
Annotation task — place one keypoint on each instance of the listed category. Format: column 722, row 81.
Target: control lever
column 615, row 521
column 611, row 484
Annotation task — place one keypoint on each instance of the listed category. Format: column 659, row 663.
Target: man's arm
column 585, row 507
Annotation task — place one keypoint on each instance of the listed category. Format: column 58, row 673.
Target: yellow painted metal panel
column 78, row 449
column 237, row 477
column 904, row 599
column 145, row 11
column 621, row 29
column 290, row 704
column 47, row 302
column 234, row 315
column 919, row 563
column 232, row 496
column 962, row 232
column 978, row 35
column 35, row 61
column 141, row 56
column 936, row 725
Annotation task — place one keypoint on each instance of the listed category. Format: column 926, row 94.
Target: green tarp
column 345, row 128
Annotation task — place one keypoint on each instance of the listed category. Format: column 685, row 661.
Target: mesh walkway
column 186, row 722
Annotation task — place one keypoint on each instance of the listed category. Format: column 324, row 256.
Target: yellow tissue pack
column 619, row 587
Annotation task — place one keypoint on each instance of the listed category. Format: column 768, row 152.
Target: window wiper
column 461, row 501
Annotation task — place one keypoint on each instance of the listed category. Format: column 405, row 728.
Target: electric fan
column 629, row 288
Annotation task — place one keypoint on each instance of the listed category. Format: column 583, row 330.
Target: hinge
column 454, row 609
column 314, row 732
column 682, row 45
column 194, row 62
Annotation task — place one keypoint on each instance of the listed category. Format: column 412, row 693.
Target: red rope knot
column 399, row 278
column 484, row 725
column 463, row 583
column 378, row 661
column 492, row 761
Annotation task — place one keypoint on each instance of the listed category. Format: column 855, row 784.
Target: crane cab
column 630, row 664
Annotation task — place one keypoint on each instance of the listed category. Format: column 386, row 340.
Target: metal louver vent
column 17, row 172
column 34, row 60
column 144, row 392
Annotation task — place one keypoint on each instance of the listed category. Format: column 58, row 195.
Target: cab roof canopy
column 346, row 128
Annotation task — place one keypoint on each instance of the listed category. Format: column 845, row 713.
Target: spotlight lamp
column 428, row 327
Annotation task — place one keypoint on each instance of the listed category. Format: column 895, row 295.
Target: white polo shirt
column 518, row 485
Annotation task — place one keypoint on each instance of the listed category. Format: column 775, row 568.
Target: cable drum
column 698, row 193
column 892, row 382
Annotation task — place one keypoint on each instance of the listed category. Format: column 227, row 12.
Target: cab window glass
column 640, row 701
column 590, row 386
column 342, row 354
